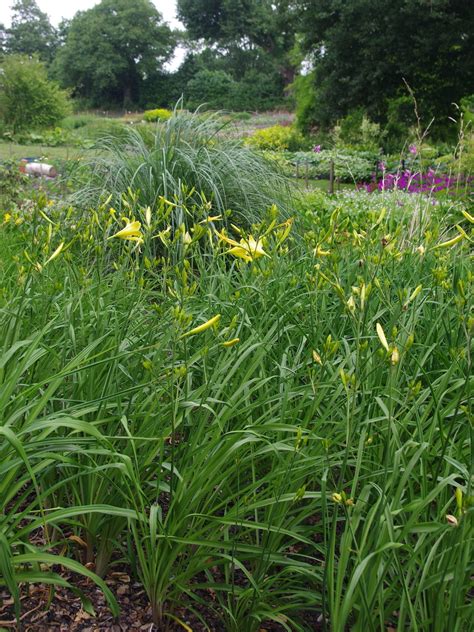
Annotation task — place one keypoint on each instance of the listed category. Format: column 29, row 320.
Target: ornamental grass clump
column 189, row 149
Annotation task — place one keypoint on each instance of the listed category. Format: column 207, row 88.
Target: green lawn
column 11, row 151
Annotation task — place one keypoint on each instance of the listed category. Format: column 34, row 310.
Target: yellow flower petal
column 130, row 231
column 469, row 217
column 239, row 252
column 317, row 357
column 450, row 242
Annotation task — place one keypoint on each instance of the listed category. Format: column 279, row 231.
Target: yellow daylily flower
column 211, row 218
column 247, row 248
column 131, row 231
column 207, row 325
column 452, row 520
column 415, row 293
column 317, row 357
column 469, row 217
column 148, row 216
column 450, row 242
column 164, row 236
column 363, row 293
column 351, row 304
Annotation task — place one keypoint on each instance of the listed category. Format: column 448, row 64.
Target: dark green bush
column 214, row 88
column 400, row 118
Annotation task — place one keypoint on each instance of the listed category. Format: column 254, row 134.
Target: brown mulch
column 60, row 610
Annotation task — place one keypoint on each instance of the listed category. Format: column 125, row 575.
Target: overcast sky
column 57, row 9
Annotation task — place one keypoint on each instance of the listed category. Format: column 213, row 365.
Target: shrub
column 211, row 87
column 278, row 138
column 159, row 114
column 28, row 100
column 257, row 90
column 400, row 119
column 305, row 94
column 356, row 130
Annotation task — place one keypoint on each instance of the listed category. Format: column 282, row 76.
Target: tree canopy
column 363, row 51
column 112, row 49
column 335, row 58
column 30, row 32
column 263, row 26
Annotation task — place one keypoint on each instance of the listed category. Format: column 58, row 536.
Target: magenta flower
column 413, row 150
column 317, row 149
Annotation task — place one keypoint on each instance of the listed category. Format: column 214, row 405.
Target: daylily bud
column 197, row 330
column 395, row 357
column 381, row 335
column 458, row 495
column 317, row 357
column 452, row 520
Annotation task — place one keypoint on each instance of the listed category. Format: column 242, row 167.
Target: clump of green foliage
column 278, row 138
column 159, row 114
column 349, row 165
column 356, row 130
column 28, row 99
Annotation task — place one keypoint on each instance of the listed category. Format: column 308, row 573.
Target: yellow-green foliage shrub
column 277, row 138
column 160, row 114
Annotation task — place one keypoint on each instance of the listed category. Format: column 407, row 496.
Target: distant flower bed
column 417, row 182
